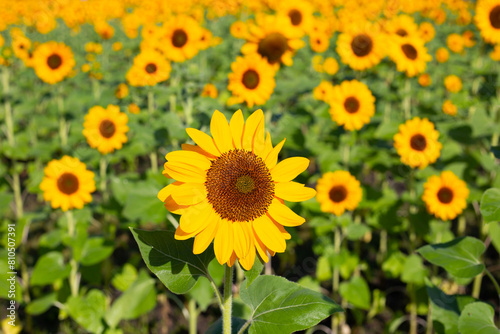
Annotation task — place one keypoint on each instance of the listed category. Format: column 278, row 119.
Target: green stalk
column 63, row 125
column 9, row 121
column 228, row 299
column 336, row 279
column 152, row 156
column 494, row 281
column 407, row 99
column 413, row 310
column 103, row 166
column 74, row 279
column 461, row 226
column 193, row 316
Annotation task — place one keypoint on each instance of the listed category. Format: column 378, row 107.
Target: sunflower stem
column 193, row 316
column 103, row 166
column 336, row 278
column 228, row 299
column 63, row 125
column 18, row 199
column 494, row 281
column 74, row 280
column 152, row 156
column 407, row 99
column 9, row 122
column 461, row 226
column 413, row 310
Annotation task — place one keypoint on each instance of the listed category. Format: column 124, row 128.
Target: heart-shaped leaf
column 490, row 205
column 477, row 318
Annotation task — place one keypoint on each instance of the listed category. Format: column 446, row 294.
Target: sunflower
column 495, row 54
column 488, row 20
column 426, row 31
column 361, row 48
column 150, row 68
column 409, row 54
column 231, row 190
column 417, row 143
column 299, row 12
column 67, row 183
column 105, row 129
column 445, row 195
column 338, row 191
column 425, row 80
column 468, row 37
column 121, row 91
column 453, row 83
column 324, row 91
column 402, row 26
column 274, row 38
column 319, row 41
column 53, row 61
column 21, row 46
column 210, row 90
column 239, row 29
column 180, row 38
column 330, row 66
column 352, row 105
column 251, row 80
column 442, row 55
column 455, row 43
column 449, row 108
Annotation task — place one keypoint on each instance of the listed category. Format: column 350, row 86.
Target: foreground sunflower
column 230, row 189
column 352, row 105
column 105, row 129
column 417, row 143
column 488, row 20
column 67, row 183
column 252, row 80
column 338, row 191
column 53, row 61
column 445, row 195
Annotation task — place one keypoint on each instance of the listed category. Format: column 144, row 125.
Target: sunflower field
column 261, row 167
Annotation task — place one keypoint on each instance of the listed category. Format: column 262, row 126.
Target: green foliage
column 49, row 268
column 490, row 205
column 477, row 318
column 356, row 292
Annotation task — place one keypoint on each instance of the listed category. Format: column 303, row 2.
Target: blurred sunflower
column 324, row 91
column 330, row 66
column 417, row 143
column 67, row 183
column 410, row 55
column 425, row 80
column 495, row 54
column 230, row 189
column 361, row 48
column 449, row 108
column 402, row 26
column 442, row 55
column 105, row 129
column 488, row 20
column 149, row 68
column 133, row 108
column 251, row 80
column 455, row 43
column 121, row 91
column 426, row 31
column 210, row 90
column 21, row 46
column 239, row 29
column 180, row 38
column 274, row 38
column 445, row 195
column 299, row 12
column 338, row 191
column 53, row 61
column 352, row 105
column 453, row 83
column 319, row 41
column 468, row 37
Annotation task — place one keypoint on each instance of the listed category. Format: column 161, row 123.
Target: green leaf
column 49, row 268
column 172, row 260
column 496, row 151
column 494, row 233
column 137, row 300
column 255, row 271
column 460, row 257
column 490, row 205
column 88, row 311
column 477, row 318
column 280, row 306
column 95, row 250
column 356, row 292
column 203, row 294
column 414, row 270
column 356, row 231
column 123, row 280
column 40, row 305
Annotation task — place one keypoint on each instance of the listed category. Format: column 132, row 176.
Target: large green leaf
column 88, row 311
column 172, row 260
column 356, row 292
column 49, row 268
column 255, row 271
column 477, row 318
column 280, row 306
column 460, row 257
column 414, row 270
column 139, row 299
column 490, row 205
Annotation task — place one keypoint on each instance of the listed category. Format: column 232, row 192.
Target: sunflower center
column 179, row 38
column 67, row 183
column 295, row 17
column 351, row 105
column 409, row 51
column 107, row 128
column 401, row 32
column 273, row 46
column 239, row 186
column 495, row 17
column 54, row 61
column 338, row 194
column 151, row 68
column 250, row 79
column 445, row 195
column 418, row 142
column 361, row 45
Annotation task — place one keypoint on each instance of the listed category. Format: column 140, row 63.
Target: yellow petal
column 289, row 169
column 219, row 128
column 223, row 244
column 184, row 172
column 293, row 191
column 261, row 248
column 283, row 214
column 205, row 237
column 203, row 140
column 182, row 235
column 241, row 238
column 232, row 259
column 269, row 234
column 272, row 157
column 253, row 126
column 189, row 193
column 268, row 145
column 195, row 148
column 248, row 261
column 236, row 124
column 191, row 157
column 194, row 218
